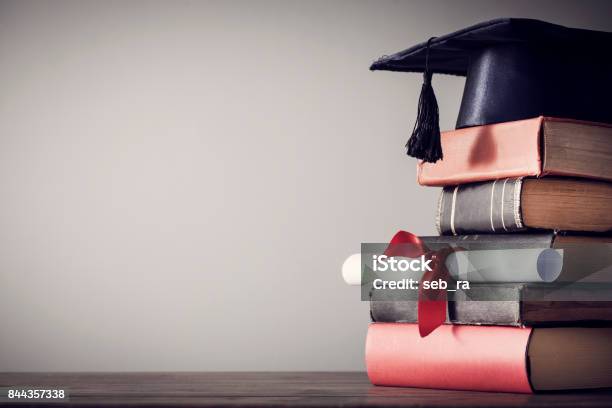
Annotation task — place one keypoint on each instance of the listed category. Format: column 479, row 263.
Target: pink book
column 489, row 358
column 533, row 147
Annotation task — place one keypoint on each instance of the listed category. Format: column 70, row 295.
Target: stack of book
column 534, row 183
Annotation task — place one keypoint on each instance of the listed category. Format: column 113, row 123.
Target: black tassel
column 424, row 143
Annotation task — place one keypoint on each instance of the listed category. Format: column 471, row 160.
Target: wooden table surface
column 336, row 389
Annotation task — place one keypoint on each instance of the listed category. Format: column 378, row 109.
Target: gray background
column 181, row 181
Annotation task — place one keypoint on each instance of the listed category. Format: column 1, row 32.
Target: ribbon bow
column 431, row 302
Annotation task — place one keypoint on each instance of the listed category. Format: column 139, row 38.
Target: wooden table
column 339, row 389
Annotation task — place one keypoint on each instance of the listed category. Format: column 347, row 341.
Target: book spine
column 489, row 207
column 479, row 358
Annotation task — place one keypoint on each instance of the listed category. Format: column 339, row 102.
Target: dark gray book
column 512, row 305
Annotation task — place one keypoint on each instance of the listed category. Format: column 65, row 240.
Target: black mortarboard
column 515, row 69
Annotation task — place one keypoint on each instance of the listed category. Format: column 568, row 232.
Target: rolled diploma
column 525, row 265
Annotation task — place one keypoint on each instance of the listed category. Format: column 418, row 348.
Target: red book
column 533, row 147
column 489, row 358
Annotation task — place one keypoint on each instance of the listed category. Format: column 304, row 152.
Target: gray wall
column 180, row 181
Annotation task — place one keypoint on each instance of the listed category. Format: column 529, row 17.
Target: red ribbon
column 431, row 302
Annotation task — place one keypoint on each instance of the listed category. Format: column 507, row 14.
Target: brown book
column 534, row 147
column 510, row 205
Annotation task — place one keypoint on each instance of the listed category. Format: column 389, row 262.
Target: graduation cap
column 515, row 69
